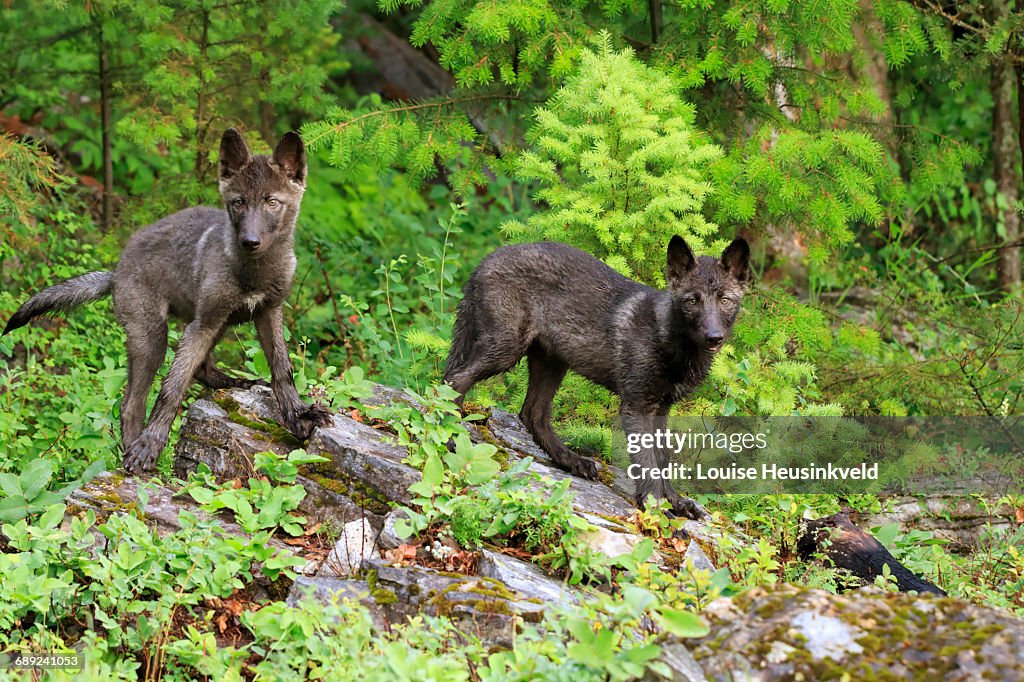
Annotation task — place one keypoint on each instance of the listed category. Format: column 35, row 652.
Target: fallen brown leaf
column 402, row 554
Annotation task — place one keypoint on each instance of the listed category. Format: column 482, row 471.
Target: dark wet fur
column 564, row 309
column 211, row 268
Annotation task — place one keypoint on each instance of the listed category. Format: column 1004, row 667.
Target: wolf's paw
column 318, row 415
column 575, row 464
column 585, row 467
column 687, row 508
column 141, row 454
column 302, row 422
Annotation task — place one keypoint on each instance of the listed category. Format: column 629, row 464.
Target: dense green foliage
column 861, row 148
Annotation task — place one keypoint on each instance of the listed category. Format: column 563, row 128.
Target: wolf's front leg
column 197, row 340
column 298, row 417
column 640, row 419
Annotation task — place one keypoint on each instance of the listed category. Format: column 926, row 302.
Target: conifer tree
column 619, row 164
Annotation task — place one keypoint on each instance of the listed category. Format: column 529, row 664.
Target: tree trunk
column 875, row 70
column 202, row 163
column 106, row 124
column 1006, row 157
column 654, row 9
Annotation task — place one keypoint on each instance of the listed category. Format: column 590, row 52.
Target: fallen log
column 850, row 548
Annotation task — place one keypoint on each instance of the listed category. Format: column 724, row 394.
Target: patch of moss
column 485, row 595
column 499, row 606
column 330, row 477
column 501, row 455
column 384, row 596
column 110, row 497
column 267, row 431
column 469, row 407
column 209, row 442
column 111, row 501
column 278, row 589
column 370, row 577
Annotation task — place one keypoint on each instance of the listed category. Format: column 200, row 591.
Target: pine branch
column 338, row 128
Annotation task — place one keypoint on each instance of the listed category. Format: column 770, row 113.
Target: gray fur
column 564, row 309
column 63, row 297
column 212, row 269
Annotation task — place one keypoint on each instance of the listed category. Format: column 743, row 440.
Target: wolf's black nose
column 713, row 340
column 250, row 242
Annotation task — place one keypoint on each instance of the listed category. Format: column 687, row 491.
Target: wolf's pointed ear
column 680, row 261
column 736, row 259
column 290, row 157
column 234, row 153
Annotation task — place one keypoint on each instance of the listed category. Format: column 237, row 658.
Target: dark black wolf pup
column 564, row 309
column 212, row 269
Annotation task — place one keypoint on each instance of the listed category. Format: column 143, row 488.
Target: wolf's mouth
column 713, row 348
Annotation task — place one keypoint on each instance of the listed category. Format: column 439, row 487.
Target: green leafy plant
column 26, row 493
column 262, row 506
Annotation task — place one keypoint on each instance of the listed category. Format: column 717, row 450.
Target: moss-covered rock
column 795, row 633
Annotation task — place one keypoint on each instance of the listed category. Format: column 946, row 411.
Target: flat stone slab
column 365, row 475
column 593, row 497
column 327, row 590
column 360, row 452
column 525, row 578
column 226, row 431
column 481, row 606
column 509, row 433
column 209, row 436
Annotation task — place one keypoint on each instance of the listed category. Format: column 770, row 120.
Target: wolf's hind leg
column 488, row 356
column 546, row 374
column 146, row 343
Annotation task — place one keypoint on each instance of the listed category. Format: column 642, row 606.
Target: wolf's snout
column 251, row 242
column 713, row 341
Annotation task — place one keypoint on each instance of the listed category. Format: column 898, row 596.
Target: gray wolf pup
column 212, row 269
column 564, row 309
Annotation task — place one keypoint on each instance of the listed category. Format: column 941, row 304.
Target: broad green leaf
column 682, row 623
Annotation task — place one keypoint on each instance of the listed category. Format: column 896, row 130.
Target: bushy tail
column 63, row 297
column 464, row 332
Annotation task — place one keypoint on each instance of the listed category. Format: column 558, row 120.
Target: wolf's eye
column 272, row 202
column 692, row 300
column 726, row 301
column 238, row 202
